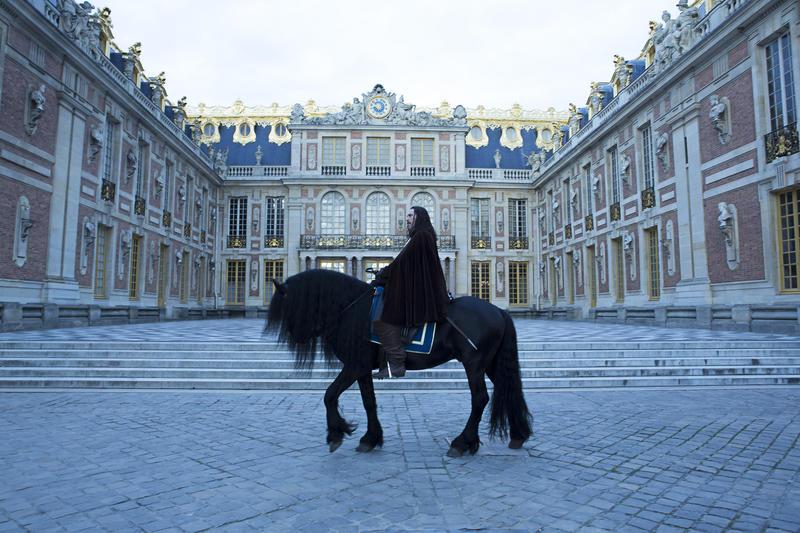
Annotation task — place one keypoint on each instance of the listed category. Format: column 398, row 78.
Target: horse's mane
column 314, row 311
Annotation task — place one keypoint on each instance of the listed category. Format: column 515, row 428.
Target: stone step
column 283, row 354
column 433, row 374
column 405, row 384
column 288, row 364
column 270, row 344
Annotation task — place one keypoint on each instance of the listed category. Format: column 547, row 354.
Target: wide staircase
column 268, row 366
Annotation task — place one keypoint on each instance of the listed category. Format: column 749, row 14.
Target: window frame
column 377, row 143
column 783, row 112
column 518, row 283
column 378, row 217
column 420, row 146
column 333, row 217
column 332, row 148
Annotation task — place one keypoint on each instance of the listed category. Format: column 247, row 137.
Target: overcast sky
column 536, row 53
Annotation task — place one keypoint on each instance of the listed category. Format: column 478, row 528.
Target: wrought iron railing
column 237, row 241
column 482, row 242
column 648, row 198
column 108, row 190
column 518, row 243
column 202, row 236
column 551, row 238
column 423, row 171
column 139, row 205
column 273, row 241
column 166, row 219
column 367, row 242
column 187, row 230
column 782, row 142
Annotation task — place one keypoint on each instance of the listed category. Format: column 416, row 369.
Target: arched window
column 331, row 217
column 424, row 199
column 379, row 216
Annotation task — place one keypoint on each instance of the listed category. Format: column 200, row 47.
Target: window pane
column 379, row 218
column 332, row 214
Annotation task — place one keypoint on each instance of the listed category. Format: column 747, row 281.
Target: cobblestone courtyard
column 700, row 460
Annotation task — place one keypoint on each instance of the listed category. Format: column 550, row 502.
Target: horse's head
column 291, row 314
column 276, row 305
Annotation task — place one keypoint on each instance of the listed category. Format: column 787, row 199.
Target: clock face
column 379, row 107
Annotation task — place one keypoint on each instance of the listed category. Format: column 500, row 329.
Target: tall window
column 517, row 219
column 201, row 280
column 780, row 83
column 567, row 203
column 587, row 176
column 647, row 150
column 379, row 216
column 423, row 199
column 480, row 285
column 551, row 213
column 168, row 185
column 378, row 151
column 479, row 221
column 133, row 285
column 789, row 238
column 187, row 216
column 183, row 287
column 333, row 150
column 237, row 216
column 518, row 283
column 275, row 222
column 619, row 270
column 141, row 171
column 332, row 214
column 421, row 152
column 236, row 282
column 613, row 176
column 273, row 270
column 653, row 263
column 204, row 210
column 101, row 262
column 110, row 149
column 337, row 265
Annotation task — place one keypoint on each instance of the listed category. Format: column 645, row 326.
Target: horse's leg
column 469, row 441
column 374, row 435
column 337, row 426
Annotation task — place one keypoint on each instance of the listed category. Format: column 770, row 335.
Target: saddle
column 417, row 339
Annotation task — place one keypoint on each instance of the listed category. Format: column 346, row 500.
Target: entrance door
column 481, row 286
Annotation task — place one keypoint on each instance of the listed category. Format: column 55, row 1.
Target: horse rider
column 415, row 291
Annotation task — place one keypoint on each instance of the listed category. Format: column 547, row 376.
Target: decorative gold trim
column 244, row 139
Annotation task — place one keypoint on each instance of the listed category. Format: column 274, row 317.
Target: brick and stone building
column 669, row 197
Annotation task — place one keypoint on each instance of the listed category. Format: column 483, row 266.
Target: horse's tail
column 509, row 410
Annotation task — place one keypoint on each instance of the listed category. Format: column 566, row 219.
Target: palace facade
column 668, row 197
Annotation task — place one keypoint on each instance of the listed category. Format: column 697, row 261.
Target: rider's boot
column 391, row 340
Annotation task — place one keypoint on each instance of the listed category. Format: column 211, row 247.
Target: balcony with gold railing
column 588, row 222
column 365, row 242
column 166, row 219
column 615, row 212
column 782, row 142
column 517, row 243
column 108, row 190
column 237, row 241
column 187, row 230
column 273, row 241
column 648, row 198
column 139, row 205
column 481, row 242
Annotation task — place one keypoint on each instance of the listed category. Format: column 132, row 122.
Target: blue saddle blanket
column 420, row 337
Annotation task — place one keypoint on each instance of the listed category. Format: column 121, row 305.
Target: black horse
column 328, row 308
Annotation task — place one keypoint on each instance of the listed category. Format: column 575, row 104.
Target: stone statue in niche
column 153, row 261
column 259, row 155
column 125, row 239
column 182, row 195
column 497, row 158
column 720, row 117
column 309, row 219
column 601, row 262
column 498, row 218
column 400, row 157
column 88, row 235
column 630, row 253
column 625, row 168
column 355, row 157
column 355, row 217
column 576, row 265
column 500, row 268
column 445, row 220
column 661, row 149
column 36, row 101
column 22, row 229
column 728, row 225
column 556, row 214
column 96, row 138
column 254, row 275
column 557, row 267
column 131, row 163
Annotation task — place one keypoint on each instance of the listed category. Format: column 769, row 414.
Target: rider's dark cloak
column 415, row 290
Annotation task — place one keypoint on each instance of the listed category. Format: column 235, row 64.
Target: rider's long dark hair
column 423, row 222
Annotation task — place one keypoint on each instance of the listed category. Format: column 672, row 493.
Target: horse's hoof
column 515, row 444
column 455, row 452
column 333, row 446
column 364, row 448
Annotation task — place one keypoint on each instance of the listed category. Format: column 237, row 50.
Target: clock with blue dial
column 379, row 107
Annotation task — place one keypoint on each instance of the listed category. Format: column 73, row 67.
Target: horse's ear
column 280, row 287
